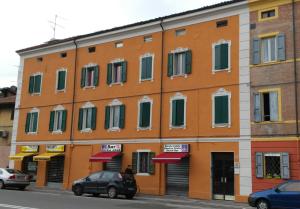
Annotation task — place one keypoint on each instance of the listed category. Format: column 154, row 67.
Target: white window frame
column 141, row 58
column 178, row 51
column 144, row 100
column 177, row 96
column 30, row 132
column 221, row 92
column 113, row 62
column 222, row 41
column 37, row 93
column 268, row 39
column 138, row 162
column 86, row 106
column 58, row 108
column 57, row 77
column 87, row 66
column 114, row 103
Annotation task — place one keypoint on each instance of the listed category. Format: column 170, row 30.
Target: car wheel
column 96, row 194
column 112, row 192
column 78, row 191
column 129, row 196
column 262, row 204
column 2, row 184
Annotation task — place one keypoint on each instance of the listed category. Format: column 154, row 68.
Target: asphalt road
column 64, row 200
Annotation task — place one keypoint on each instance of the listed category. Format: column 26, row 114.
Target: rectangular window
column 90, row 76
column 35, row 82
column 266, row 106
column 58, row 121
column 272, row 166
column 221, row 107
column 145, row 115
column 117, row 73
column 180, row 63
column 63, row 55
column 178, row 113
column 143, row 162
column 268, row 14
column 221, row 56
column 222, row 23
column 146, row 68
column 180, row 32
column 114, row 116
column 119, row 44
column 92, row 49
column 61, row 80
column 87, row 118
column 31, row 122
column 269, row 49
column 148, row 39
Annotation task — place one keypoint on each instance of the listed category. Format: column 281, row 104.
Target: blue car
column 283, row 196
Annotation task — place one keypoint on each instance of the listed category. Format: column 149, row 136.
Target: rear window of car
column 108, row 175
column 11, row 171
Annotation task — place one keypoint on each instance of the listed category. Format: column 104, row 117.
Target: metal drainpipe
column 72, row 109
column 161, row 94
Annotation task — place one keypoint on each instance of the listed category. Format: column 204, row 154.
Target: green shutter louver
column 94, row 118
column 27, row 125
column 64, row 121
column 31, row 84
column 221, row 110
column 224, row 56
column 107, row 117
column 174, row 108
column 217, row 57
column 80, row 119
column 37, row 83
column 149, row 67
column 144, row 120
column 61, row 80
column 35, row 121
column 124, row 72
column 188, row 62
column 96, row 75
column 122, row 117
column 144, row 68
column 180, row 112
column 134, row 162
column 109, row 74
column 83, row 77
column 151, row 163
column 51, row 121
column 170, row 64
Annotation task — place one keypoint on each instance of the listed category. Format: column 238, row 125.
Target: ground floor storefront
column 274, row 160
column 203, row 170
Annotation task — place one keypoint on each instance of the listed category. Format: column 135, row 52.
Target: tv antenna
column 54, row 25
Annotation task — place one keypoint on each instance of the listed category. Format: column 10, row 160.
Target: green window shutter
column 83, row 75
column 122, row 117
column 35, row 121
column 259, row 164
column 149, row 67
column 257, row 108
column 31, row 84
column 179, row 112
column 224, row 56
column 96, row 75
column 134, row 162
column 188, row 62
column 107, row 117
column 174, row 108
column 61, row 80
column 124, row 71
column 64, row 120
column 37, row 83
column 281, row 47
column 285, row 165
column 170, row 64
column 144, row 120
column 144, row 68
column 109, row 74
column 151, row 163
column 27, row 125
column 256, row 52
column 217, row 57
column 51, row 122
column 80, row 119
column 221, row 110
column 94, row 118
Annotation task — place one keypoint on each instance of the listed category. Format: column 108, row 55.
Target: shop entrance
column 114, row 164
column 177, row 178
column 223, row 175
column 55, row 171
column 30, row 167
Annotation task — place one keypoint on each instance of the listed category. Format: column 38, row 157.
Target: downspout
column 72, row 109
column 296, row 80
column 161, row 94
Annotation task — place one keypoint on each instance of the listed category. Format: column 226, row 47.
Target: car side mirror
column 277, row 190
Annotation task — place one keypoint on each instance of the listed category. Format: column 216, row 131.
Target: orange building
column 169, row 96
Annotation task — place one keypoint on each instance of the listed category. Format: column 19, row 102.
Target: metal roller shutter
column 178, row 178
column 56, row 169
column 114, row 164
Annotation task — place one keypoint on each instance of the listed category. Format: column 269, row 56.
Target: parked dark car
column 13, row 178
column 283, row 196
column 106, row 182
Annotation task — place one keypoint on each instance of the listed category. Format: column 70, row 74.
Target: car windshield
column 12, row 171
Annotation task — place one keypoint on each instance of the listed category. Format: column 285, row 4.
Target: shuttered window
column 31, row 122
column 142, row 162
column 61, row 80
column 266, row 106
column 115, row 117
column 116, row 73
column 221, row 53
column 180, row 63
column 58, row 120
column 178, row 113
column 146, row 68
column 145, row 115
column 35, row 84
column 90, row 76
column 87, row 118
column 221, row 115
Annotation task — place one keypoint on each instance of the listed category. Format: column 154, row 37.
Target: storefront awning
column 21, row 155
column 46, row 156
column 104, row 156
column 170, row 157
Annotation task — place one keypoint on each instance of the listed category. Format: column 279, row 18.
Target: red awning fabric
column 104, row 156
column 170, row 157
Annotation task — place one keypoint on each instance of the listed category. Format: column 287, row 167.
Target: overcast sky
column 25, row 23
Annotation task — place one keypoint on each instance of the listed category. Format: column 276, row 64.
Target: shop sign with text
column 176, row 148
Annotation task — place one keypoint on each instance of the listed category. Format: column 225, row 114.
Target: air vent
column 4, row 134
column 147, row 39
column 180, row 32
column 39, row 59
column 119, row 44
column 252, row 26
column 63, row 55
column 222, row 23
column 92, row 49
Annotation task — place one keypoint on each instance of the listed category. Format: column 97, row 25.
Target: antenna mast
column 54, row 25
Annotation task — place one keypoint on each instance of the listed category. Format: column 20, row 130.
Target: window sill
column 224, row 125
column 270, row 63
column 145, row 80
column 118, row 83
column 143, row 129
column 87, row 130
column 31, row 133
column 268, row 122
column 114, row 129
column 177, row 127
column 221, row 70
column 143, row 174
column 57, row 132
column 60, row 91
column 181, row 75
column 35, row 94
column 89, row 87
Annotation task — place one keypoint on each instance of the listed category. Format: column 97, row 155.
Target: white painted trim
column 115, row 102
column 138, row 160
column 88, row 105
column 177, row 51
column 34, row 110
column 58, row 108
column 221, row 92
column 177, row 96
column 56, row 83
column 142, row 100
column 152, row 70
column 222, row 41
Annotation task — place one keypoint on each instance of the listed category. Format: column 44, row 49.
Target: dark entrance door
column 114, row 164
column 223, row 175
column 30, row 167
column 55, row 171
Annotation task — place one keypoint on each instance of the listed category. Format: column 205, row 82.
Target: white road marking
column 15, row 206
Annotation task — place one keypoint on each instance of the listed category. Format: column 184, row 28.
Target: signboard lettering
column 176, row 148
column 111, row 147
